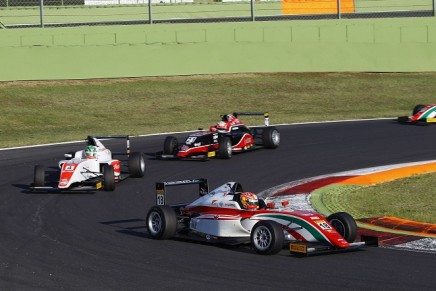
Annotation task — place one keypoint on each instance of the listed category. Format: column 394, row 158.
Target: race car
column 228, row 215
column 421, row 114
column 93, row 168
column 229, row 136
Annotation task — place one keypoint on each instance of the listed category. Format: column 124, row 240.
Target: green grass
column 411, row 198
column 55, row 111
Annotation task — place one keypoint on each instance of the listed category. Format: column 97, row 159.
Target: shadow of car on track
column 136, row 227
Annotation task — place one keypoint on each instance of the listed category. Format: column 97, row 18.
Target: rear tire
column 224, row 148
column 108, row 178
column 417, row 108
column 161, row 222
column 170, row 145
column 136, row 165
column 39, row 176
column 344, row 224
column 271, row 137
column 267, row 237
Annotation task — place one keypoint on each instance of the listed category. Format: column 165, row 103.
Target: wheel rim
column 142, row 165
column 154, row 223
column 275, row 137
column 229, row 148
column 262, row 238
column 338, row 226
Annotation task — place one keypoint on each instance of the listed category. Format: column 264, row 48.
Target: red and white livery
column 84, row 172
column 219, row 216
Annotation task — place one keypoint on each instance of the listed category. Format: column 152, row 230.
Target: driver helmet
column 223, row 126
column 212, row 128
column 91, row 152
column 228, row 117
column 249, row 201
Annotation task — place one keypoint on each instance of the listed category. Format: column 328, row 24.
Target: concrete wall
column 378, row 45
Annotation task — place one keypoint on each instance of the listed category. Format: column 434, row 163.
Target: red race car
column 228, row 136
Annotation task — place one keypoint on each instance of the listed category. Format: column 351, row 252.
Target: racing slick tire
column 108, row 178
column 417, row 108
column 170, row 145
column 224, row 148
column 267, row 237
column 344, row 224
column 161, row 222
column 136, row 165
column 39, row 176
column 271, row 137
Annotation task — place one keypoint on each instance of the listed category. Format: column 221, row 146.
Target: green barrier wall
column 378, row 45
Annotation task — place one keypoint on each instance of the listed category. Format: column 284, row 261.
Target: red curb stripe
column 387, row 238
column 310, row 186
column 401, row 224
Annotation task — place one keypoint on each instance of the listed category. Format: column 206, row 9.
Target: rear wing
column 264, row 114
column 203, row 188
column 95, row 141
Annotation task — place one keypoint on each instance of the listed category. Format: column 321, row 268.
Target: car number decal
column 323, row 224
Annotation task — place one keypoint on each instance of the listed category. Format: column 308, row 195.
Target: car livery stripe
column 242, row 143
column 426, row 113
column 316, row 233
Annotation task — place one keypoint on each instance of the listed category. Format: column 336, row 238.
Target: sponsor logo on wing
column 63, row 182
column 69, row 167
column 246, row 140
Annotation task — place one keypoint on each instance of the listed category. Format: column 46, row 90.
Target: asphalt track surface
column 99, row 241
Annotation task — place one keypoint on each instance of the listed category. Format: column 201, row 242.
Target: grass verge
column 56, row 111
column 410, row 198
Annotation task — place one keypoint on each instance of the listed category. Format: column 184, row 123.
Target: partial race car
column 228, row 215
column 421, row 114
column 229, row 136
column 93, row 168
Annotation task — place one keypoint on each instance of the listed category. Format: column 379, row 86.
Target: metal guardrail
column 63, row 13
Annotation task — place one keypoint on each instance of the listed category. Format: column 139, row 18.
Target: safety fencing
column 42, row 13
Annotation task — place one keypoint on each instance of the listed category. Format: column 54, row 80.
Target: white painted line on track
column 177, row 132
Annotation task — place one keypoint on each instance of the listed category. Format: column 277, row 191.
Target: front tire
column 136, row 165
column 108, row 178
column 161, row 222
column 225, row 148
column 39, row 176
column 170, row 145
column 267, row 237
column 344, row 224
column 271, row 137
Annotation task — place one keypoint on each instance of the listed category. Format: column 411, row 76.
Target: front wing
column 310, row 249
column 85, row 186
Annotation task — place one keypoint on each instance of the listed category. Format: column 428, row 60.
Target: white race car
column 91, row 169
column 228, row 215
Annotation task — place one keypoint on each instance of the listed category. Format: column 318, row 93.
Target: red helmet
column 223, row 126
column 249, row 201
